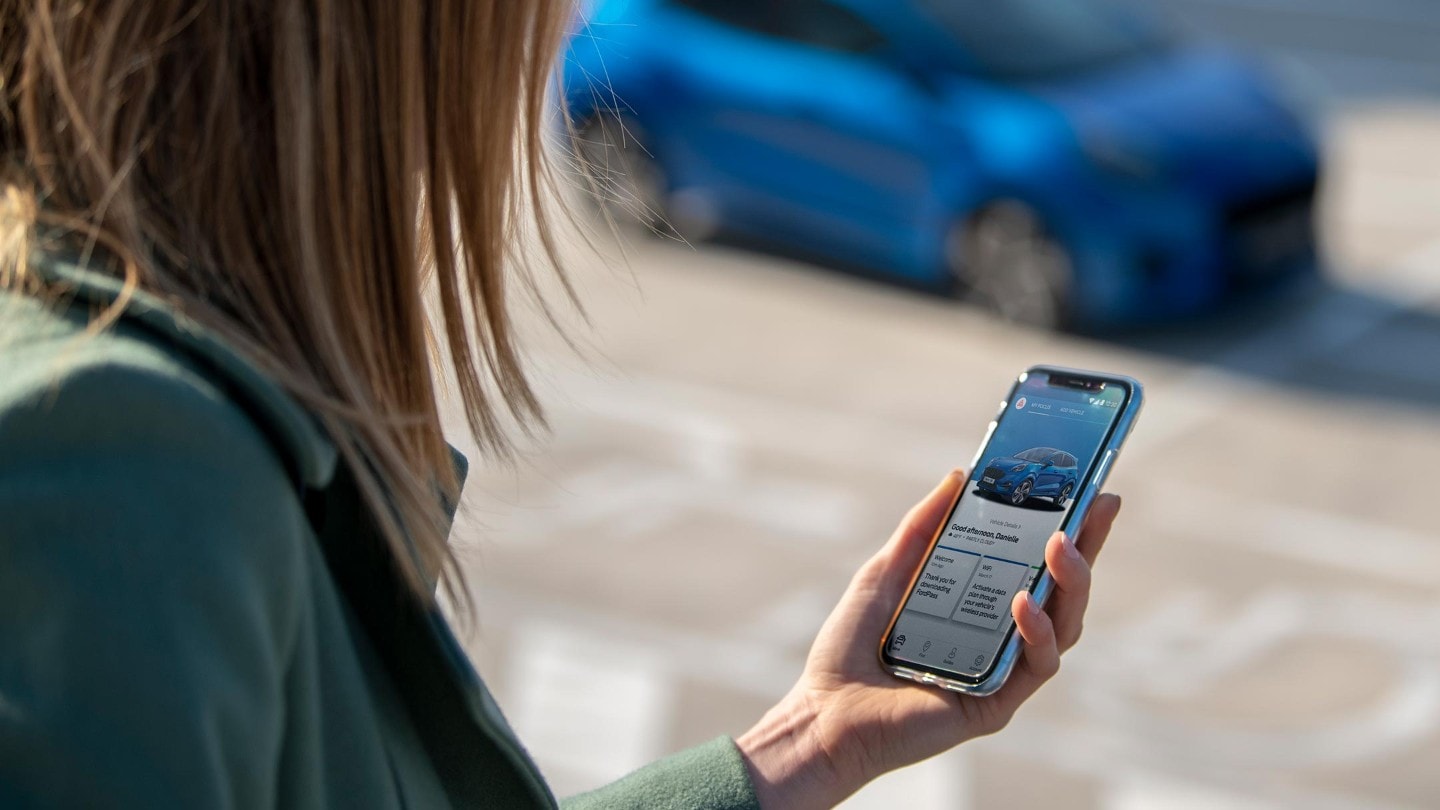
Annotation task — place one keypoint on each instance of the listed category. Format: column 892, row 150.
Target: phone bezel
column 1004, row 651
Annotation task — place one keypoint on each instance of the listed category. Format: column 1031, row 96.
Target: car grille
column 1272, row 233
column 994, row 472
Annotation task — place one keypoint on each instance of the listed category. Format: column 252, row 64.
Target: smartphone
column 1041, row 464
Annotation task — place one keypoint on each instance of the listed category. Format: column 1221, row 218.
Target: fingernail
column 1069, row 547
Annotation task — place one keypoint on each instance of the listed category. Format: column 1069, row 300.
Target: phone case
column 1008, row 657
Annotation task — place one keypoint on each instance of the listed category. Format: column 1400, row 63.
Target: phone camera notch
column 1078, row 383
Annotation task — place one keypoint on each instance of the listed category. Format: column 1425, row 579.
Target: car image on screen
column 1037, row 472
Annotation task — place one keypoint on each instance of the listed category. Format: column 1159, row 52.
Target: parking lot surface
column 736, row 433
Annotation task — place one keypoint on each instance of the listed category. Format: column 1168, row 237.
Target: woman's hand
column 848, row 720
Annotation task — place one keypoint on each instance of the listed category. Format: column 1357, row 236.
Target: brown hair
column 290, row 173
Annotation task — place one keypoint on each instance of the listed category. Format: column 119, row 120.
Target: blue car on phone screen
column 1057, row 161
column 1037, row 472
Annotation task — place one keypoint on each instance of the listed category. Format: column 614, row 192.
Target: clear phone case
column 1110, row 450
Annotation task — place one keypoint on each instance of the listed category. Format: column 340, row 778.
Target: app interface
column 993, row 544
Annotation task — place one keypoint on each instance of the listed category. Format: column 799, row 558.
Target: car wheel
column 1004, row 259
column 627, row 184
column 1064, row 495
column 1022, row 492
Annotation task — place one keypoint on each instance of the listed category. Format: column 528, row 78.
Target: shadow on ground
column 1333, row 340
column 1037, row 503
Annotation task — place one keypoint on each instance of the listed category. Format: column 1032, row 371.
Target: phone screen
column 957, row 617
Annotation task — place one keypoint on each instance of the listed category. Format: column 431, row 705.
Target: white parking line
column 1255, row 526
column 591, row 708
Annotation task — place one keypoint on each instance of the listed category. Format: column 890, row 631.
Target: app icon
column 1020, row 404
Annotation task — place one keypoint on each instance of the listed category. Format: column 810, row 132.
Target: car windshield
column 1039, row 455
column 1032, row 39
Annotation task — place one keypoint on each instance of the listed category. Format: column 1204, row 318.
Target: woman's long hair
column 290, row 174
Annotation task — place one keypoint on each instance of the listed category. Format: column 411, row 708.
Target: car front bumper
column 997, row 480
column 1184, row 257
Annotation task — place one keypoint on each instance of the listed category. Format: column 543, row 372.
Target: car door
column 1069, row 471
column 1048, row 480
column 817, row 138
column 711, row 60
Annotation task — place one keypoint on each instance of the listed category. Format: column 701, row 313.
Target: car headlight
column 1018, row 468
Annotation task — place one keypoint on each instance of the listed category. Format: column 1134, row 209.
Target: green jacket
column 195, row 611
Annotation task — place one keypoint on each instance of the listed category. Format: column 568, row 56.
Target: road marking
column 590, row 708
column 939, row 782
column 1194, row 646
column 1150, row 792
column 633, row 499
column 1354, row 545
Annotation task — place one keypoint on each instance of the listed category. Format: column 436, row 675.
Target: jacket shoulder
column 152, row 572
column 122, row 408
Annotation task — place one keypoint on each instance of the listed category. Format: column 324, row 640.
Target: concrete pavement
column 740, row 432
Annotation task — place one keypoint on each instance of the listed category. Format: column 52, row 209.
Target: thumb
column 907, row 546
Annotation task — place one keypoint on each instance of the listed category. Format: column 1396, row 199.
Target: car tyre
column 627, row 185
column 1022, row 492
column 1003, row 258
column 1064, row 494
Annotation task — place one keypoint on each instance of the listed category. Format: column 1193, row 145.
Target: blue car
column 1037, row 472
column 1056, row 161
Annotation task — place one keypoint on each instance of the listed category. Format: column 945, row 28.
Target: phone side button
column 1102, row 470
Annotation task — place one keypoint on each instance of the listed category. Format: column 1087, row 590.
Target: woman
column 222, row 474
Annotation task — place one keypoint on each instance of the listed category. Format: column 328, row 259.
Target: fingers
column 1069, row 564
column 880, row 584
column 903, row 553
column 1040, row 654
column 1039, row 658
column 1045, row 635
column 919, row 524
column 1097, row 526
column 1072, row 589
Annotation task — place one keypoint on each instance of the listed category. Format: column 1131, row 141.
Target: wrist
column 791, row 762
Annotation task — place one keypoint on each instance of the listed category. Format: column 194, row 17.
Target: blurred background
column 841, row 229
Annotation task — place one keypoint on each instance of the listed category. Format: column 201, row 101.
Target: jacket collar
column 308, row 452
column 461, row 727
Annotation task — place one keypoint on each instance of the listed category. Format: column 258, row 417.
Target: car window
column 826, row 25
column 760, row 16
column 1035, row 39
column 813, row 22
column 1034, row 454
column 1069, row 460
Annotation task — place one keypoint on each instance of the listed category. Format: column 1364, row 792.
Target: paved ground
column 740, row 432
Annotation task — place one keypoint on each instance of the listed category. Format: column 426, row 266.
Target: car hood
column 1197, row 116
column 1007, row 461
